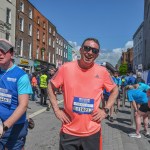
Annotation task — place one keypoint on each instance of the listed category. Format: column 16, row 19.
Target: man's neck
column 6, row 66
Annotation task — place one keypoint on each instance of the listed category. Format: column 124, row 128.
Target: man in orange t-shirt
column 82, row 83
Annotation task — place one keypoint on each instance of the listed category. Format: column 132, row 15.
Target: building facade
column 146, row 36
column 59, row 50
column 138, row 47
column 51, row 42
column 24, row 35
column 8, row 20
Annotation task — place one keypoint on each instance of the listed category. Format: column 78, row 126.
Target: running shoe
column 134, row 135
column 111, row 119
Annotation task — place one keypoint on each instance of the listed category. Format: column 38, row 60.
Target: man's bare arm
column 60, row 114
column 112, row 97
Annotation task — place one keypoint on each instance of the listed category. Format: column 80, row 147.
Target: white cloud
column 111, row 56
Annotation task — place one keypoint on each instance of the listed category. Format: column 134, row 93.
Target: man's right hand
column 62, row 116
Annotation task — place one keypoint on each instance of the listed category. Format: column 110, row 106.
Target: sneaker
column 48, row 109
column 146, row 133
column 111, row 119
column 134, row 135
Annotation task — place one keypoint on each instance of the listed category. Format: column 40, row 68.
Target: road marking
column 41, row 110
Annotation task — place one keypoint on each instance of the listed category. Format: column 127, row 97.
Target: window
column 37, row 52
column 21, row 47
column 53, row 44
column 49, row 57
column 42, row 55
column 30, row 48
column 22, row 6
column 38, row 20
column 8, row 36
column 38, row 34
column 8, row 16
column 53, row 59
column 30, row 13
column 54, row 33
column 50, row 30
column 44, row 26
column 57, row 50
column 49, row 41
column 21, row 24
column 30, row 30
column 43, row 37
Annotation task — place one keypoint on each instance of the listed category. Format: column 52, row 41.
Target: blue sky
column 112, row 22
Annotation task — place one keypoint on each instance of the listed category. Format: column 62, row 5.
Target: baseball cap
column 5, row 45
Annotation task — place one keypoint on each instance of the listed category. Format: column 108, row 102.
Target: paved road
column 45, row 135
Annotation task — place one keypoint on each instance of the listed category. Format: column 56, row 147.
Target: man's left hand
column 99, row 115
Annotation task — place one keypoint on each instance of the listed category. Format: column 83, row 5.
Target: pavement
column 115, row 135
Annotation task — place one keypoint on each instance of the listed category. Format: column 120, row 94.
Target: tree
column 123, row 69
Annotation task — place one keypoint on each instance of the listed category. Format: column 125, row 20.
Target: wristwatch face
column 106, row 110
column 5, row 128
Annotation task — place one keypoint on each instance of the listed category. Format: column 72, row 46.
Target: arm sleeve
column 24, row 85
column 108, row 82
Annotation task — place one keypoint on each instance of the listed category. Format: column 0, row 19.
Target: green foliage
column 123, row 69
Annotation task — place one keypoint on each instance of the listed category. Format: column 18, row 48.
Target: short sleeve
column 58, row 79
column 108, row 81
column 24, row 85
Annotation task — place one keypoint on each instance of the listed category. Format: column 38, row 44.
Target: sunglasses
column 88, row 48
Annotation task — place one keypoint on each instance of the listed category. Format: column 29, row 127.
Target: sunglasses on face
column 88, row 48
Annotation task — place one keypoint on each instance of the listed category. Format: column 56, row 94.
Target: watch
column 5, row 128
column 106, row 110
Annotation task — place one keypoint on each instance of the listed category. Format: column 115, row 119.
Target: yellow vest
column 43, row 81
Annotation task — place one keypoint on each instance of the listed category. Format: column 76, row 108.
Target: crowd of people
column 84, row 85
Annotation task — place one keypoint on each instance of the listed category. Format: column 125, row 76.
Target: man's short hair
column 6, row 45
column 91, row 39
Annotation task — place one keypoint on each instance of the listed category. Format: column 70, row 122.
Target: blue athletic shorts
column 15, row 137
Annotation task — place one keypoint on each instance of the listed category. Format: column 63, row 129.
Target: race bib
column 83, row 105
column 5, row 96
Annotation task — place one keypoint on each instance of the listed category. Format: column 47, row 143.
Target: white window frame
column 30, row 13
column 44, row 37
column 37, row 52
column 21, row 6
column 53, row 59
column 21, row 24
column 30, row 50
column 50, row 30
column 49, row 57
column 30, row 29
column 38, row 34
column 21, row 47
column 49, row 41
column 53, row 44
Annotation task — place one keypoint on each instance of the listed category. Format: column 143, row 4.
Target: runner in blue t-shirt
column 136, row 96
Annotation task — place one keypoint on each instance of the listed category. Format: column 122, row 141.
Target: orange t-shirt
column 82, row 94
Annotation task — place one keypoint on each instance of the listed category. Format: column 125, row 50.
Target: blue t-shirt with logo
column 13, row 82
